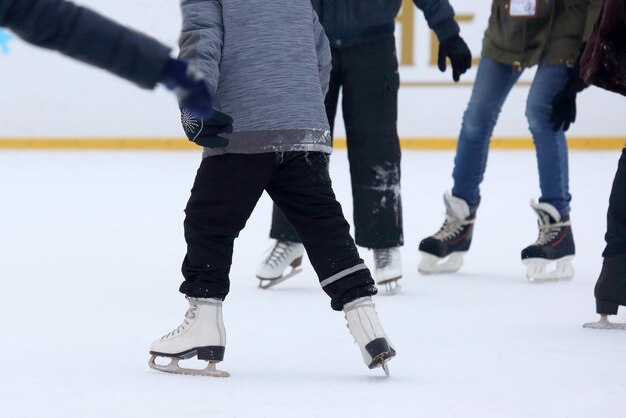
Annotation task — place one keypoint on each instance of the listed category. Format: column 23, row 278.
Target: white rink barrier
column 46, row 99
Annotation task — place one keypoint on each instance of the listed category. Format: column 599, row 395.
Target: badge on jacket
column 523, row 8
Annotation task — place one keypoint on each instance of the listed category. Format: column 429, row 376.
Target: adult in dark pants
column 93, row 39
column 604, row 65
column 610, row 290
column 365, row 69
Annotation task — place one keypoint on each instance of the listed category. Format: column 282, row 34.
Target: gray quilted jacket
column 269, row 64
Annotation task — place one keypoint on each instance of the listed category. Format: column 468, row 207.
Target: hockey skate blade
column 604, row 323
column 431, row 264
column 174, row 368
column 268, row 283
column 536, row 269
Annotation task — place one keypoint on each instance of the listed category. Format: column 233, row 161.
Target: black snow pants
column 610, row 290
column 225, row 192
column 368, row 77
column 616, row 218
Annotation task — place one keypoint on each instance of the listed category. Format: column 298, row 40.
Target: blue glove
column 205, row 131
column 189, row 86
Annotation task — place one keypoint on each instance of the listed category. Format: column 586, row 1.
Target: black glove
column 564, row 103
column 460, row 56
column 189, row 86
column 205, row 131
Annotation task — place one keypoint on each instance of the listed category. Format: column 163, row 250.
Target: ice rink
column 90, row 263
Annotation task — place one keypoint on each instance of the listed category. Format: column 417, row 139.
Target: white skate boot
column 202, row 334
column 282, row 255
column 368, row 333
column 388, row 269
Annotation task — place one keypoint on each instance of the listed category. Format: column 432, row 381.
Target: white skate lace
column 548, row 231
column 451, row 227
column 278, row 253
column 189, row 315
column 382, row 257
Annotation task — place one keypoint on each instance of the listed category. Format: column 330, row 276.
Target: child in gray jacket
column 268, row 63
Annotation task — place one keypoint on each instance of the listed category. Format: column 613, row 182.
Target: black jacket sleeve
column 86, row 36
column 440, row 17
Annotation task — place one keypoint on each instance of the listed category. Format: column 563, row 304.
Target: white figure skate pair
column 202, row 335
column 284, row 258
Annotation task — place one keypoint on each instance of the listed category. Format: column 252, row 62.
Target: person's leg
column 610, row 289
column 224, row 194
column 443, row 251
column 281, row 228
column 616, row 218
column 550, row 145
column 491, row 88
column 555, row 243
column 370, row 102
column 226, row 190
column 302, row 189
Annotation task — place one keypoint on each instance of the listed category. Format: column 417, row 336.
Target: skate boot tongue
column 546, row 212
column 456, row 206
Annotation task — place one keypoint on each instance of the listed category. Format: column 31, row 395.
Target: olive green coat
column 555, row 34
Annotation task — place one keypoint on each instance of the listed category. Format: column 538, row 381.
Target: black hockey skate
column 610, row 292
column 443, row 252
column 550, row 257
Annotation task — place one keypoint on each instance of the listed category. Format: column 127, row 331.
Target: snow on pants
column 368, row 77
column 616, row 218
column 225, row 192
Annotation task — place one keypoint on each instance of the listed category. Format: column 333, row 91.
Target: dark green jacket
column 555, row 34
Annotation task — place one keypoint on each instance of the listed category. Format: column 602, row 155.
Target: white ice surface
column 89, row 268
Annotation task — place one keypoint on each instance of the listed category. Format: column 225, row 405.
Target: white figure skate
column 281, row 256
column 368, row 333
column 388, row 269
column 201, row 334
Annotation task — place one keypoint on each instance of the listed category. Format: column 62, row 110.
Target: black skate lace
column 382, row 257
column 451, row 227
column 189, row 315
column 278, row 253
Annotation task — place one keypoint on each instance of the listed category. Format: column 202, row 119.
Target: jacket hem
column 266, row 141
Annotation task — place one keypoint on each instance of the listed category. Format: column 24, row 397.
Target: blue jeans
column 493, row 83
